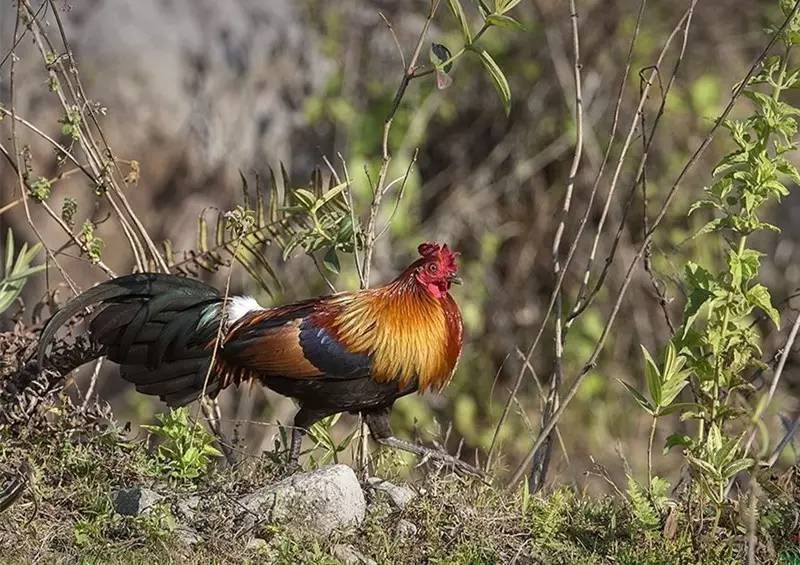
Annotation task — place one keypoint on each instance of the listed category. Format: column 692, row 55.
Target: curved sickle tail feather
column 156, row 327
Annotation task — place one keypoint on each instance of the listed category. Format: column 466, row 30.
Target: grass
column 78, row 460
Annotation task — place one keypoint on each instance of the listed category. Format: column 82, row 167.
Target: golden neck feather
column 407, row 332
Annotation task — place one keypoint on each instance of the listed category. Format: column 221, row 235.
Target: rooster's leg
column 302, row 422
column 378, row 422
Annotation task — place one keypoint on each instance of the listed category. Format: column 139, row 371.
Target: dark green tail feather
column 156, row 327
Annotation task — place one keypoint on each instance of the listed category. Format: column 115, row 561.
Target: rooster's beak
column 454, row 279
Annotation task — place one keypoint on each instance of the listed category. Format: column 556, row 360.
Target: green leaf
column 704, row 466
column 736, row 467
column 659, row 488
column 676, row 440
column 16, row 271
column 668, row 409
column 503, row 6
column 652, row 377
column 331, row 261
column 304, row 197
column 714, row 225
column 641, row 400
column 508, row 22
column 758, row 295
column 735, row 269
column 439, row 55
column 482, row 8
column 498, row 78
column 673, row 387
column 704, row 204
column 672, row 363
column 643, row 510
column 458, row 12
column 750, row 260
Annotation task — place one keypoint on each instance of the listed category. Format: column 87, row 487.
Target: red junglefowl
column 348, row 352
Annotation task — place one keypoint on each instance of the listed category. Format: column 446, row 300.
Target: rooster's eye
column 433, row 267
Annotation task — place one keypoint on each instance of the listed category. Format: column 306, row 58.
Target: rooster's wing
column 292, row 342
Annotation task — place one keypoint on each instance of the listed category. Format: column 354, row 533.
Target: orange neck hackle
column 411, row 326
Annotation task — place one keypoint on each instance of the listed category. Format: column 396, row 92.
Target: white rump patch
column 241, row 305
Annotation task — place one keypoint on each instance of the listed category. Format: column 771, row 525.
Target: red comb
column 429, row 248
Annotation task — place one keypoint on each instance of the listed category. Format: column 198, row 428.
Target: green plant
column 16, row 271
column 94, row 244
column 664, row 385
column 71, row 123
column 187, row 449
column 41, row 189
column 324, row 441
column 718, row 345
column 443, row 60
column 648, row 506
column 316, row 219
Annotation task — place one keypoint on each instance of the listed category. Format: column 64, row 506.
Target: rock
column 256, row 544
column 321, row 501
column 349, row 555
column 400, row 496
column 187, row 535
column 406, row 528
column 135, row 501
column 187, row 508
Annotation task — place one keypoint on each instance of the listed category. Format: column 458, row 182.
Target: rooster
column 351, row 352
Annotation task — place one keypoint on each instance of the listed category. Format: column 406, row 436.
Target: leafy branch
column 717, row 345
column 315, row 219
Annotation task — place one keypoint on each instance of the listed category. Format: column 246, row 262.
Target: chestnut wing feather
column 291, row 342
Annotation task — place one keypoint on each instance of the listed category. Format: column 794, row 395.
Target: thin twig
column 378, row 189
column 6, row 207
column 394, row 37
column 61, row 223
column 790, row 433
column 20, row 178
column 400, row 194
column 587, row 212
column 154, row 251
column 776, row 378
column 541, row 459
column 64, row 151
column 92, row 383
column 211, row 417
column 583, row 301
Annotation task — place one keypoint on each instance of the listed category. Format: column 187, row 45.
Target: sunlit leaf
column 498, row 79
column 458, row 12
column 637, row 396
column 501, row 20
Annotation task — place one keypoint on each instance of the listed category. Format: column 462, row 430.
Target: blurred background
column 200, row 93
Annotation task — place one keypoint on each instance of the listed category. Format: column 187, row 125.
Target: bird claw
column 426, row 454
column 458, row 465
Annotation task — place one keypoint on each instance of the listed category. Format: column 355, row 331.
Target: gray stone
column 400, row 496
column 187, row 535
column 187, row 508
column 256, row 544
column 406, row 528
column 349, row 555
column 135, row 501
column 321, row 501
